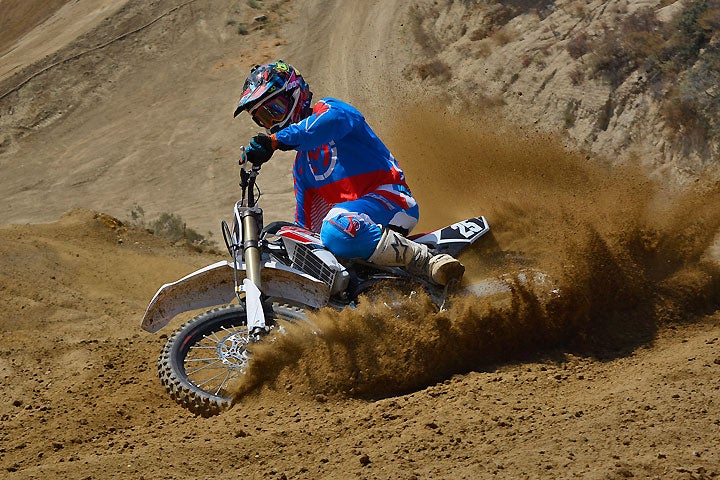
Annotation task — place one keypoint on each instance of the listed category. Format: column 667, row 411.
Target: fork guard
column 214, row 285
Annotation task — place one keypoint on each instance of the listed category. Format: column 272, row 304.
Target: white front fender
column 214, row 285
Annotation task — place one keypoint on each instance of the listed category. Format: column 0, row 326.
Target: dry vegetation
column 674, row 60
column 169, row 226
column 678, row 61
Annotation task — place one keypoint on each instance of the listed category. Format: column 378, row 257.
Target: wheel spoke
column 235, row 331
column 187, row 360
column 209, row 365
column 222, row 384
column 227, row 374
column 214, row 337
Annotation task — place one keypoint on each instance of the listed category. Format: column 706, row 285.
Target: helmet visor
column 271, row 112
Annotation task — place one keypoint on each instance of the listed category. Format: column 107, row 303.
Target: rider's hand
column 260, row 149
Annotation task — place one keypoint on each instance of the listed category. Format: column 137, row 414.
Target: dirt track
column 82, row 400
column 619, row 378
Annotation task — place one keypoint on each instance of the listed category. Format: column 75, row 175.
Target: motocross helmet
column 275, row 95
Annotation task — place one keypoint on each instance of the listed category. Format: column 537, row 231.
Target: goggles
column 271, row 112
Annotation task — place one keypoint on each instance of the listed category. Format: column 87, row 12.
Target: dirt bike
column 277, row 273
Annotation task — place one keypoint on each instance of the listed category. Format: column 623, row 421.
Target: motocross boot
column 394, row 250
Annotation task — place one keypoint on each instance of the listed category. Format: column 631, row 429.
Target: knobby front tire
column 208, row 353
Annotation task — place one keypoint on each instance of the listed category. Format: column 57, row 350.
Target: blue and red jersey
column 339, row 159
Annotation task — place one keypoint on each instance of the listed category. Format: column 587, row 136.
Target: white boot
column 394, row 250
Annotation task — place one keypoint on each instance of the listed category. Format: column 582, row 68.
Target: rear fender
column 214, row 285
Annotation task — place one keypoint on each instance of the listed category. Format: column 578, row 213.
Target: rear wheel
column 205, row 355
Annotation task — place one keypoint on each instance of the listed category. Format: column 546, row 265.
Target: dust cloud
column 625, row 253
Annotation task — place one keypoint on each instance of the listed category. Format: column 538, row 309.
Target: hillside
column 497, row 108
column 617, row 79
column 151, row 85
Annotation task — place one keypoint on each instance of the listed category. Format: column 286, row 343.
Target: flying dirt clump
column 624, row 255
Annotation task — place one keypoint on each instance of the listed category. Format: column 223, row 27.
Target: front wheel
column 207, row 353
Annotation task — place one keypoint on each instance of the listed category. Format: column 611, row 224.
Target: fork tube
column 251, row 248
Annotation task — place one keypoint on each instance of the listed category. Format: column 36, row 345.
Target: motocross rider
column 348, row 186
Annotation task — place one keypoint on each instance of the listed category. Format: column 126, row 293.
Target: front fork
column 251, row 244
column 248, row 219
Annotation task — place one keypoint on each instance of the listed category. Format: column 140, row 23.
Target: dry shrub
column 687, row 38
column 578, row 8
column 479, row 34
column 503, row 36
column 621, row 51
column 690, row 63
column 169, row 226
column 482, row 49
column 578, row 46
column 692, row 106
column 642, row 34
column 710, row 20
column 610, row 60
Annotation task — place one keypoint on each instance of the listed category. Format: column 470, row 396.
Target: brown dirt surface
column 616, row 376
column 31, row 30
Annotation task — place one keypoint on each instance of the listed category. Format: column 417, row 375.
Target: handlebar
column 248, row 174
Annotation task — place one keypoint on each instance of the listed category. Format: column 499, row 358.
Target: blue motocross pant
column 353, row 229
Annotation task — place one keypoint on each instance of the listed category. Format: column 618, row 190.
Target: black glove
column 260, row 149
